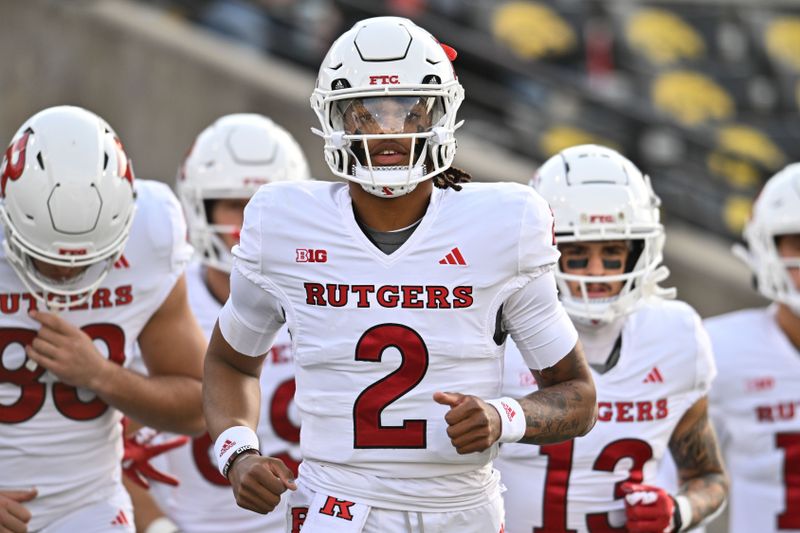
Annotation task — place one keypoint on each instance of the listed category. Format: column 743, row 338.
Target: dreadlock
column 451, row 178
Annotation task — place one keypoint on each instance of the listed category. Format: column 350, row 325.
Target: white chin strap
column 384, row 191
column 389, row 175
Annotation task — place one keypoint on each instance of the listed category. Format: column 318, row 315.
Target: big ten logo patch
column 308, row 255
column 337, row 508
column 298, row 518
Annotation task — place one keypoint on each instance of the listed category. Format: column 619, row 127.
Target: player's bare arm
column 564, row 408
column 231, row 397
column 696, row 453
column 172, row 347
column 565, row 405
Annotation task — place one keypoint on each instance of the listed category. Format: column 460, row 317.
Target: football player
column 91, row 263
column 397, row 288
column 650, row 357
column 228, row 162
column 755, row 401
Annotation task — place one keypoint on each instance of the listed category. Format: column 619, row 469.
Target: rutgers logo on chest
column 12, row 303
column 389, row 296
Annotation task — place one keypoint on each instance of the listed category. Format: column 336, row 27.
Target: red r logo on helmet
column 124, row 167
column 14, row 161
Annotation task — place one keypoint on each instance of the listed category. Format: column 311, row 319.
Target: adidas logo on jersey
column 122, row 262
column 454, row 258
column 654, row 376
column 120, row 519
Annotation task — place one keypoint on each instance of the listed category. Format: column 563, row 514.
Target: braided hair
column 451, row 178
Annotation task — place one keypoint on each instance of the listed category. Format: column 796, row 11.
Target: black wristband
column 236, row 454
column 677, row 522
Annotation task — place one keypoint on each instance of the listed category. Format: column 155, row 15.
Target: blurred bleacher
column 649, row 79
column 703, row 94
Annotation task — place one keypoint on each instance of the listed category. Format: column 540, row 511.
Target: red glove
column 138, row 452
column 649, row 509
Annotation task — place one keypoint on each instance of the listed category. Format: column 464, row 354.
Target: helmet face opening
column 228, row 162
column 387, row 81
column 599, row 196
column 776, row 213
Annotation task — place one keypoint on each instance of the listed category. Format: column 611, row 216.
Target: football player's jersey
column 665, row 366
column 204, row 502
column 755, row 407
column 375, row 335
column 64, row 441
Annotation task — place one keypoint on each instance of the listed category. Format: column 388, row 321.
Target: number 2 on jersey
column 368, row 430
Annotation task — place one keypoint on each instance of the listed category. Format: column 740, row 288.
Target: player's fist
column 14, row 517
column 258, row 482
column 473, row 425
column 649, row 509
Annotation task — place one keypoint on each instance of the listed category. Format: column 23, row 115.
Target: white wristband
column 512, row 418
column 231, row 443
column 684, row 511
column 162, row 524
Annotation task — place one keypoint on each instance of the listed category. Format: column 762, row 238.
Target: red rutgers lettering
column 645, row 411
column 463, row 297
column 389, row 296
column 410, row 294
column 392, row 79
column 337, row 508
column 337, row 295
column 437, row 297
column 779, row 412
column 623, row 411
column 12, row 303
column 362, row 291
column 123, row 294
column 101, row 298
column 314, row 294
column 298, row 518
column 14, row 162
column 661, row 408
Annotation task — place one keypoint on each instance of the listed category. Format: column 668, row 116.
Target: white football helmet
column 776, row 212
column 598, row 195
column 66, row 199
column 232, row 158
column 379, row 59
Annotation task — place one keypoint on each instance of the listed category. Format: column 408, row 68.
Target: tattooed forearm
column 694, row 448
column 565, row 405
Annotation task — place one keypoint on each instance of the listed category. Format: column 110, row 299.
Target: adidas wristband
column 512, row 419
column 232, row 442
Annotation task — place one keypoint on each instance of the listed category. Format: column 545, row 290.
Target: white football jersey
column 204, row 502
column 755, row 406
column 64, row 441
column 665, row 366
column 375, row 335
